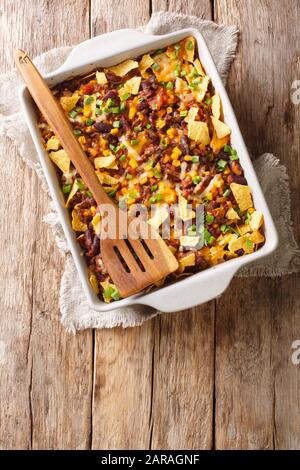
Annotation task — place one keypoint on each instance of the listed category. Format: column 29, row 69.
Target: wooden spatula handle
column 55, row 117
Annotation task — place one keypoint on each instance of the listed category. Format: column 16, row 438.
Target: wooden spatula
column 133, row 264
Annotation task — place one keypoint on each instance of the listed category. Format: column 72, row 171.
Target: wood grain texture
column 45, row 373
column 257, row 386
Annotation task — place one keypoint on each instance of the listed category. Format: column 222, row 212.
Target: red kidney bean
column 103, row 127
column 184, row 144
column 111, row 77
column 236, row 179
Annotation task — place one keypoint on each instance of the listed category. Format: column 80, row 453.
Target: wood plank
column 257, row 399
column 123, row 358
column 182, row 409
column 45, row 373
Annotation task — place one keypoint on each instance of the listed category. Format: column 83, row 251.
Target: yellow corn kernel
column 170, row 197
column 166, row 159
column 160, row 123
column 158, row 167
column 143, row 180
column 176, row 163
column 133, row 163
column 209, row 196
column 169, row 109
column 106, row 152
column 171, row 133
column 82, row 140
column 150, row 174
column 93, row 210
column 188, row 158
column 114, row 131
column 148, row 167
column 92, row 152
column 251, row 210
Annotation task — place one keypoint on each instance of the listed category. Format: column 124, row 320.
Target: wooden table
column 217, row 376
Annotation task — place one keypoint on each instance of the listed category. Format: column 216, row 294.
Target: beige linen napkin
column 75, row 311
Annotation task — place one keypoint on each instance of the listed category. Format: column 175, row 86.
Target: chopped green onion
column 155, row 66
column 248, row 217
column 134, row 142
column 73, row 114
column 148, row 126
column 122, row 106
column 208, row 101
column 152, row 199
column 114, row 110
column 129, row 176
column 208, row 237
column 89, row 193
column 159, row 197
column 195, row 159
column 80, row 185
column 221, row 164
column 249, row 243
column 77, row 132
column 189, row 46
column 98, row 111
column 110, row 102
column 159, row 51
column 177, row 47
column 170, row 86
column 122, row 158
column 88, row 100
column 66, row 188
column 183, row 73
column 99, row 102
column 157, row 174
column 89, row 122
column 196, row 179
column 234, row 157
column 117, row 124
column 154, row 106
column 137, row 129
column 78, row 109
column 115, row 294
column 227, row 192
column 126, row 96
column 183, row 113
column 154, row 188
column 209, row 218
column 227, row 148
column 112, row 193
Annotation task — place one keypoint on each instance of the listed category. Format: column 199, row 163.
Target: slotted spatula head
column 135, row 263
column 132, row 264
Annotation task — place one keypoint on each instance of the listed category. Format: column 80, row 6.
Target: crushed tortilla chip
column 243, row 229
column 217, row 144
column 53, row 143
column 131, row 86
column 199, row 68
column 69, row 102
column 101, row 78
column 231, row 214
column 220, row 127
column 186, row 261
column 96, row 223
column 160, row 215
column 72, row 193
column 189, row 48
column 105, row 162
column 256, row 220
column 216, row 181
column 257, row 237
column 242, row 195
column 201, row 90
column 145, row 63
column 198, row 131
column 193, row 112
column 122, row 69
column 77, row 225
column 165, row 67
column 185, row 213
column 89, row 109
column 191, row 241
column 216, row 106
column 181, row 86
column 246, row 242
column 104, row 178
column 61, row 159
column 94, row 283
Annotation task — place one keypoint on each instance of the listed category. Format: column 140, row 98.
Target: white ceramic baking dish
column 110, row 49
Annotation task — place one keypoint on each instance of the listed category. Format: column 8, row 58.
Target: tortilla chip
column 122, row 69
column 186, row 261
column 236, row 244
column 104, row 178
column 193, row 112
column 106, row 162
column 201, row 90
column 231, row 214
column 256, row 220
column 53, row 143
column 181, row 86
column 216, row 106
column 132, row 86
column 72, row 193
column 89, row 109
column 77, row 225
column 61, row 159
column 160, row 215
column 185, row 213
column 223, row 240
column 96, row 223
column 257, row 237
column 242, row 195
column 145, row 63
column 186, row 240
column 220, row 127
column 189, row 48
column 199, row 68
column 217, row 254
column 243, row 229
column 217, row 144
column 69, row 102
column 94, row 283
column 216, row 181
column 198, row 131
column 101, row 78
column 108, row 288
column 165, row 72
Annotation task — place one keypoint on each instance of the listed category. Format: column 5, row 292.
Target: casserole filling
column 154, row 130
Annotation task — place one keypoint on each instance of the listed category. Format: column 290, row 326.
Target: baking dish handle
column 89, row 51
column 196, row 291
